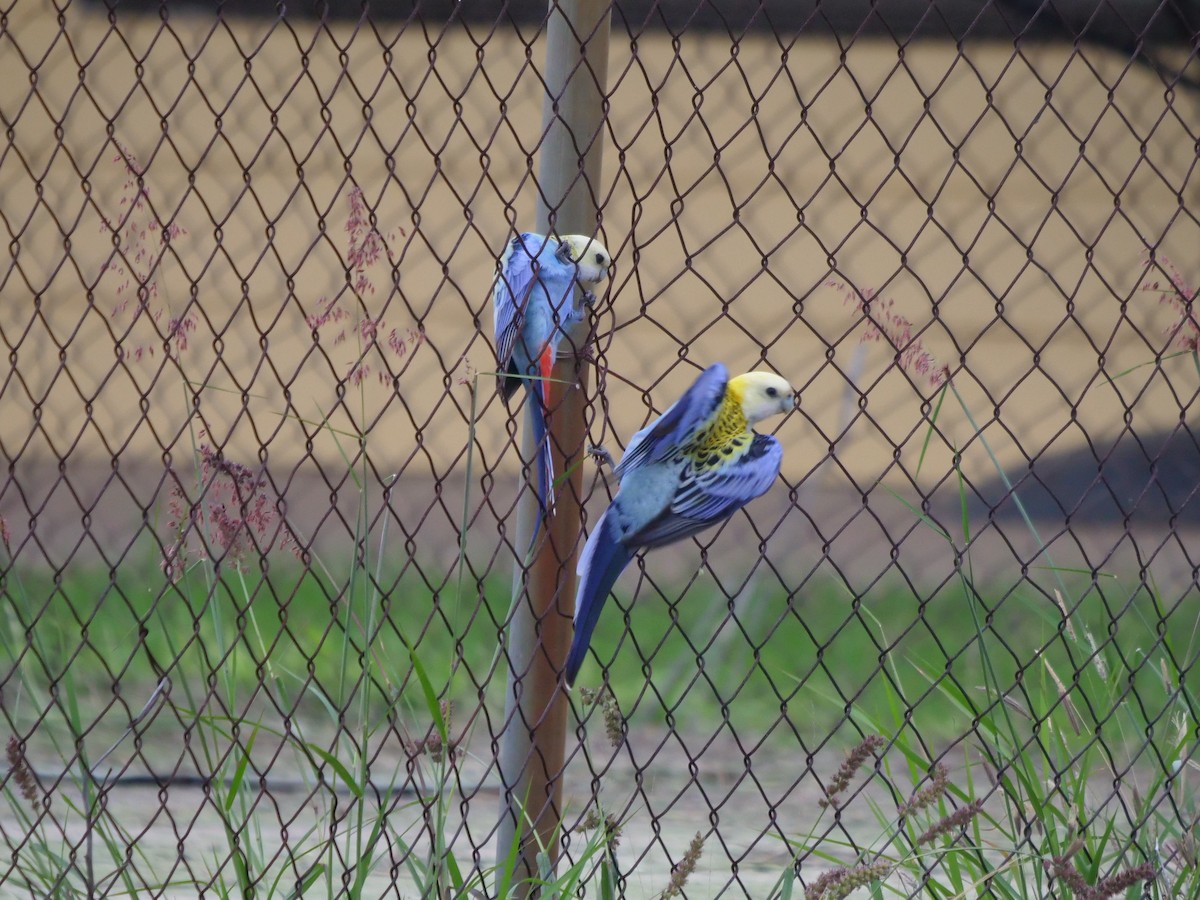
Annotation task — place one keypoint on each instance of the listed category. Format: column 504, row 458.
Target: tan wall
column 1011, row 193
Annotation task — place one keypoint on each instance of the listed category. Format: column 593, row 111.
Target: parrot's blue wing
column 514, row 279
column 709, row 496
column 684, row 418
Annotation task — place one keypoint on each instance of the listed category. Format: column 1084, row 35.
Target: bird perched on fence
column 534, row 301
column 693, row 467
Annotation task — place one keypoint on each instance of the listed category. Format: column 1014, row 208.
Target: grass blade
column 339, row 768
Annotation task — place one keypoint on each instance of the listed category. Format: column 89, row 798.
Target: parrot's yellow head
column 762, row 395
column 589, row 256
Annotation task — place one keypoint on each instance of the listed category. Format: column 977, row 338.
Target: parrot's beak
column 786, row 403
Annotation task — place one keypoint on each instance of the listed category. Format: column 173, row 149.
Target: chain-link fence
column 259, row 499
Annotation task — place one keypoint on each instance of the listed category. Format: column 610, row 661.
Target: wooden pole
column 533, row 743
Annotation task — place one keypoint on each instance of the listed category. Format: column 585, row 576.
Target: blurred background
column 246, row 307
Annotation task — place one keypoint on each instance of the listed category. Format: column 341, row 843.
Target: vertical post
column 532, row 747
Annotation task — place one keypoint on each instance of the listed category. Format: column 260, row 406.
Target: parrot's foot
column 588, row 298
column 601, row 456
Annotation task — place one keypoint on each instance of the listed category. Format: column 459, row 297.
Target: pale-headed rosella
column 693, row 467
column 533, row 302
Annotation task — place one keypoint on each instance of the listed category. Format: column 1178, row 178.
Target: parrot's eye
column 600, row 259
column 772, row 392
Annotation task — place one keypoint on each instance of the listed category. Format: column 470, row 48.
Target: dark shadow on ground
column 1138, row 480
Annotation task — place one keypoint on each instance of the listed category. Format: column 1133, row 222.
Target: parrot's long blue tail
column 603, row 559
column 543, row 462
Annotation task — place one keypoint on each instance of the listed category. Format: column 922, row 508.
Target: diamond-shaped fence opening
column 259, row 517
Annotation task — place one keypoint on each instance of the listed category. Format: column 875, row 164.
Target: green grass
column 1072, row 768
column 281, row 670
column 807, row 660
column 1051, row 698
column 827, row 652
column 106, row 630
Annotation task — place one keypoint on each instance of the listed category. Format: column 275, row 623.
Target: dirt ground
column 183, row 817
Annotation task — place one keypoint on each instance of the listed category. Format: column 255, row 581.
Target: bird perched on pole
column 693, row 467
column 534, row 302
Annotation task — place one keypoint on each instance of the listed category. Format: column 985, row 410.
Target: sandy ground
column 664, row 788
column 1004, row 202
column 177, row 829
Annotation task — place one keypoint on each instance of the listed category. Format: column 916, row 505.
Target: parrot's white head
column 762, row 395
column 590, row 258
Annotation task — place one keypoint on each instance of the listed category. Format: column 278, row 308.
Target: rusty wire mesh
column 254, row 458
